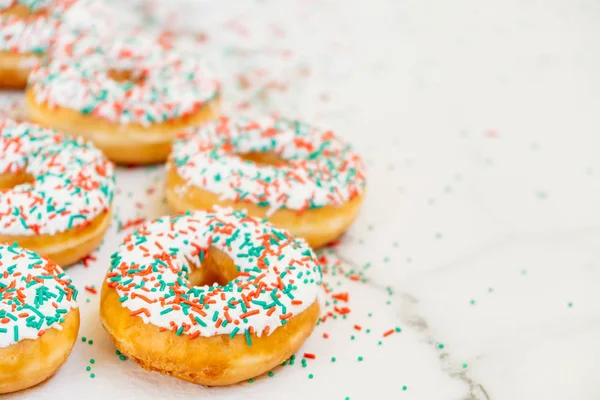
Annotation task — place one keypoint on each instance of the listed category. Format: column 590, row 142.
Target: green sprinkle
column 234, row 332
column 271, row 374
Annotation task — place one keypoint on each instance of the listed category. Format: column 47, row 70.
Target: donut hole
column 127, row 76
column 216, row 268
column 267, row 158
column 9, row 181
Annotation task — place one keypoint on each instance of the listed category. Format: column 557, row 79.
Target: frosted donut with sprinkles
column 128, row 95
column 26, row 30
column 212, row 297
column 301, row 178
column 39, row 318
column 56, row 193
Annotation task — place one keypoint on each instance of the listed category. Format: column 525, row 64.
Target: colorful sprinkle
column 73, row 182
column 170, row 86
column 269, row 289
column 318, row 169
column 35, row 295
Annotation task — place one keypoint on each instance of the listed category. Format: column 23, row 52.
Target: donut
column 26, row 30
column 302, row 179
column 55, row 192
column 128, row 95
column 211, row 297
column 39, row 318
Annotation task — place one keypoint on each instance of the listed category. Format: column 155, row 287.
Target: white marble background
column 480, row 234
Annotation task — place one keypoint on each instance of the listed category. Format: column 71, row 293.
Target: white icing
column 35, row 295
column 321, row 169
column 140, row 267
column 73, row 181
column 78, row 77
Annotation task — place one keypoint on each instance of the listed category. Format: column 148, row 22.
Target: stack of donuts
column 222, row 290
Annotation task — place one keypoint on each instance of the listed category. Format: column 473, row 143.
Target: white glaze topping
column 279, row 276
column 32, row 35
column 72, row 181
column 35, row 295
column 162, row 85
column 319, row 169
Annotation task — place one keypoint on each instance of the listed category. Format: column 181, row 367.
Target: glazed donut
column 55, row 193
column 26, row 30
column 128, row 95
column 39, row 318
column 302, row 179
column 211, row 297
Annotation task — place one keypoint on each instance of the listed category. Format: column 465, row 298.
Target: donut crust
column 317, row 226
column 15, row 69
column 131, row 144
column 30, row 362
column 64, row 248
column 212, row 361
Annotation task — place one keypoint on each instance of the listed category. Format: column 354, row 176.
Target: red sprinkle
column 341, row 296
column 342, row 310
column 86, row 260
column 388, row 333
column 91, row 289
column 131, row 223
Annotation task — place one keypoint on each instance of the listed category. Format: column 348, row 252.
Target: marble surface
column 478, row 245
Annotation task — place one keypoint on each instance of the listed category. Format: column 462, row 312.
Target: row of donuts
column 253, row 302
column 28, row 29
column 57, row 199
column 132, row 98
